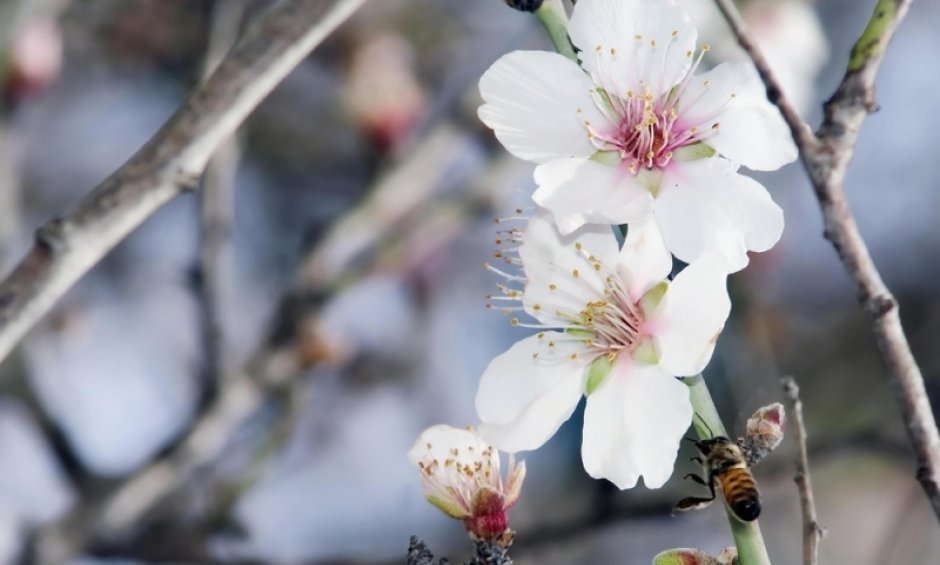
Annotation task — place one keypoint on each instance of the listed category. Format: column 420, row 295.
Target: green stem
column 747, row 536
column 552, row 15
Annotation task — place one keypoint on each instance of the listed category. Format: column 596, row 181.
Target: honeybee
column 726, row 465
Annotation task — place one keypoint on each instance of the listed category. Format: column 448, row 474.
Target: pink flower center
column 645, row 128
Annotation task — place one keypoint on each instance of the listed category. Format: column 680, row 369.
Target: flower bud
column 764, row 432
column 461, row 477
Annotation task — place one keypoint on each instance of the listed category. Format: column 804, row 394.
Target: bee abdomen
column 740, row 492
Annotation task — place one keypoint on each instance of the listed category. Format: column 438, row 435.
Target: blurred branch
column 168, row 165
column 812, row 531
column 216, row 208
column 293, row 344
column 10, row 191
column 826, row 156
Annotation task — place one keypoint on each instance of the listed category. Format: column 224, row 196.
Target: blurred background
column 239, row 381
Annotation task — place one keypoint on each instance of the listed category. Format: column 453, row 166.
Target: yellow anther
column 575, row 273
column 514, row 322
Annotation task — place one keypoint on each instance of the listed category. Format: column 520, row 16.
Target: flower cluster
column 630, row 135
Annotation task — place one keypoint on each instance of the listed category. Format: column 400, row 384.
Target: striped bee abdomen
column 741, row 494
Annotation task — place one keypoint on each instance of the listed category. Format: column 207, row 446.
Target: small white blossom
column 461, row 477
column 636, row 134
column 612, row 327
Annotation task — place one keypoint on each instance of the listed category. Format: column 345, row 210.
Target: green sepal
column 598, row 371
column 447, row 507
column 694, row 152
column 611, row 158
column 651, row 179
column 647, row 352
column 605, row 100
column 652, row 297
column 576, row 332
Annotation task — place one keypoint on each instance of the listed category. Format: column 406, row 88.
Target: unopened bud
column 764, row 432
column 684, row 556
column 524, row 5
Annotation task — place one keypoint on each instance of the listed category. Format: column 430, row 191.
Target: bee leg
column 692, row 503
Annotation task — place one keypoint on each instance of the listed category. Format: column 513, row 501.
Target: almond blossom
column 635, row 134
column 461, row 477
column 613, row 327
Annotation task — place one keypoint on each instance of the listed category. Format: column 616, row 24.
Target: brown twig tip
column 812, row 530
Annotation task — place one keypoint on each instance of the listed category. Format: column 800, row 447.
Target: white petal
column 751, row 130
column 533, row 100
column 706, row 205
column 580, row 191
column 562, row 277
column 436, row 442
column 644, row 259
column 691, row 315
column 633, row 424
column 624, row 42
column 523, row 400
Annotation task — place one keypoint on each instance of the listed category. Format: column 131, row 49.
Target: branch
column 168, row 165
column 812, row 531
column 216, row 207
column 293, row 345
column 826, row 157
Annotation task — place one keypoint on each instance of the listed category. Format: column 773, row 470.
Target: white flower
column 460, row 475
column 637, row 134
column 615, row 328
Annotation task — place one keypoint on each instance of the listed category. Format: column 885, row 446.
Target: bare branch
column 168, row 165
column 216, row 209
column 292, row 345
column 826, row 159
column 812, row 531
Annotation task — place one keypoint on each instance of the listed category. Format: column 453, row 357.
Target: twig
column 812, row 530
column 168, row 165
column 826, row 158
column 216, row 209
